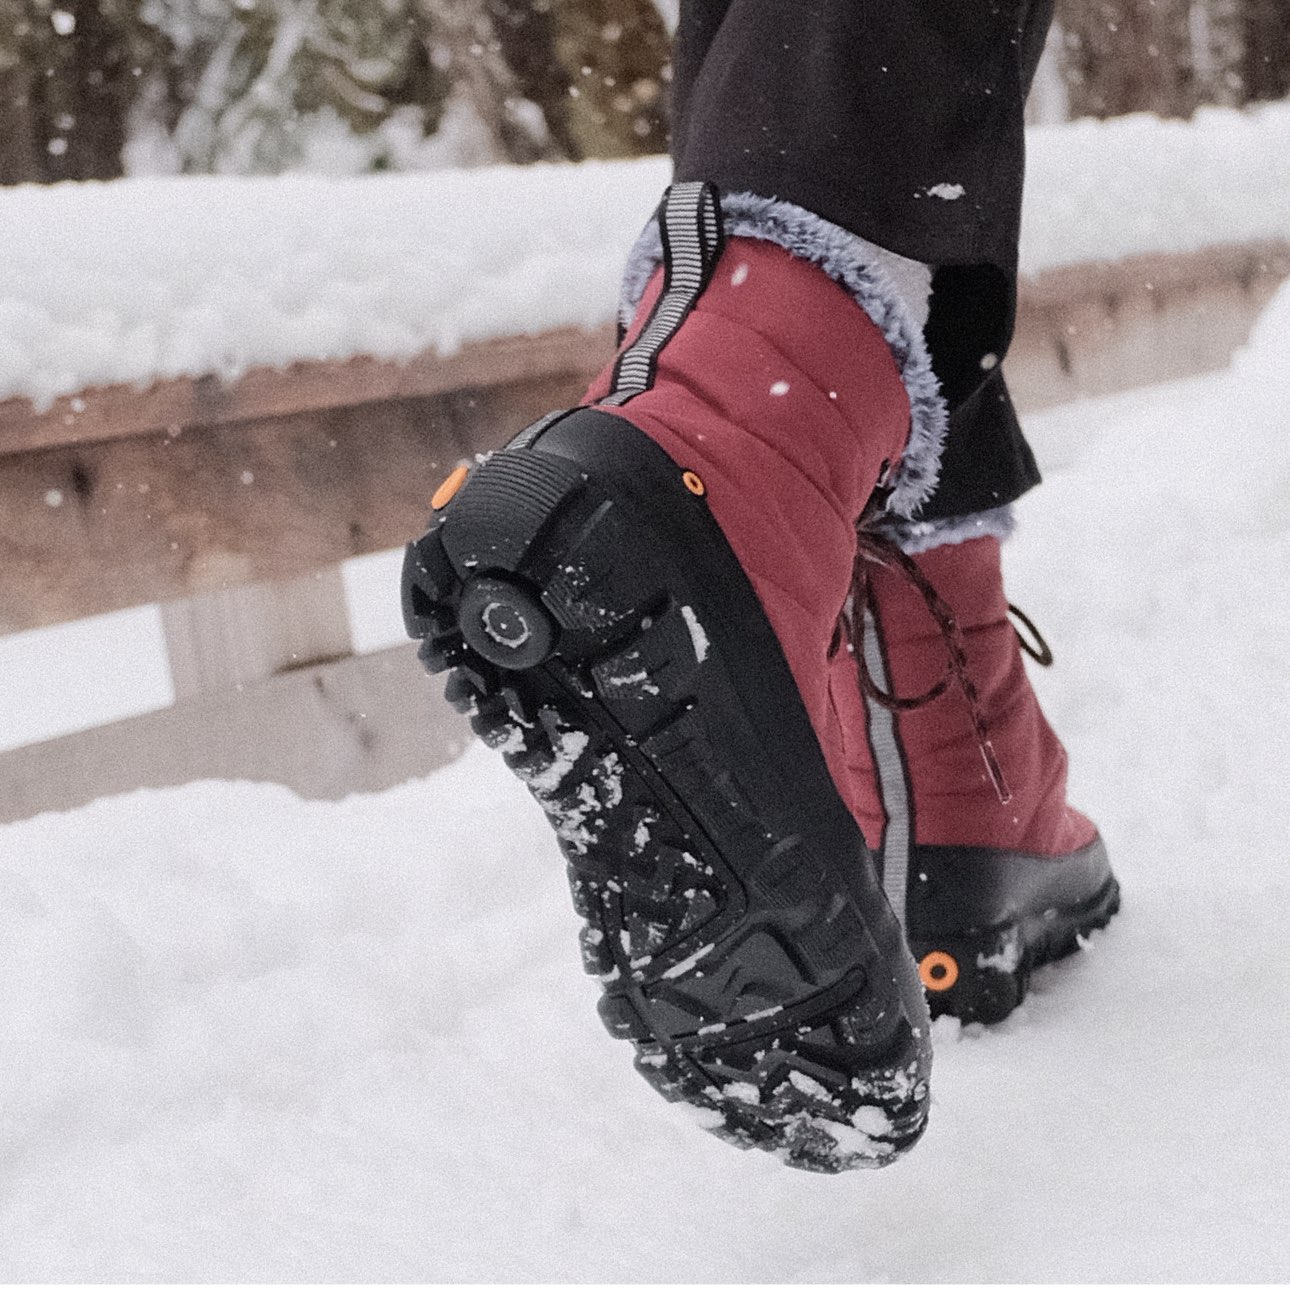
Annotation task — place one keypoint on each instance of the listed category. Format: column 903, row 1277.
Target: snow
column 1006, row 958
column 141, row 279
column 1136, row 185
column 375, row 617
column 567, row 746
column 250, row 1038
column 62, row 679
column 687, row 965
column 698, row 637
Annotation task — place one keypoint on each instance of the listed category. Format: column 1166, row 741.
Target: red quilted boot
column 638, row 601
column 965, row 780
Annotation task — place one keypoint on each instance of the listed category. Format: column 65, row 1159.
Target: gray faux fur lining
column 856, row 265
column 916, row 536
column 645, row 256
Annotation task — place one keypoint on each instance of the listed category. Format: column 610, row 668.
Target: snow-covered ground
column 148, row 278
column 251, row 1038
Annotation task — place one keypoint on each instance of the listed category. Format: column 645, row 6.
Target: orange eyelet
column 938, row 970
column 694, row 483
column 448, row 489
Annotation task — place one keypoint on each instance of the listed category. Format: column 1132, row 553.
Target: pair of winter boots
column 802, row 783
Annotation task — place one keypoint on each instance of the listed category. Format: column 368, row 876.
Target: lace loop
column 871, row 549
column 1036, row 647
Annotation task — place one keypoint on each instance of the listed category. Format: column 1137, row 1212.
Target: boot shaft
column 782, row 397
column 949, row 797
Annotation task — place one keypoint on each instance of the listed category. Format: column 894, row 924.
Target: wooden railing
column 232, row 506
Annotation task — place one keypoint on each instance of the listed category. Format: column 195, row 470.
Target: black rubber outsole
column 982, row 976
column 596, row 628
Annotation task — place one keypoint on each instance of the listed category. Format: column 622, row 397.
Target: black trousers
column 902, row 122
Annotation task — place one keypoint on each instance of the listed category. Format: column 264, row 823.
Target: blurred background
column 93, row 89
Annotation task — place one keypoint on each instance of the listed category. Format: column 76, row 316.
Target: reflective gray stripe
column 891, row 776
column 692, row 223
column 526, row 437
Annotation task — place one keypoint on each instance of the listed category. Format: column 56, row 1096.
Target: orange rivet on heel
column 938, row 970
column 448, row 489
column 694, row 483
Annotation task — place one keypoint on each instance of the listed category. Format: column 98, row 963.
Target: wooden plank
column 95, row 526
column 358, row 725
column 124, row 411
column 228, row 639
column 101, row 526
column 124, row 518
column 1146, row 274
column 1099, row 329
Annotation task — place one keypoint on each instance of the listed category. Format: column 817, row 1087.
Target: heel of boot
column 975, row 978
column 982, row 976
column 469, row 583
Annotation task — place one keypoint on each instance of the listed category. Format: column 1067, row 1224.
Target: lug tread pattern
column 752, row 992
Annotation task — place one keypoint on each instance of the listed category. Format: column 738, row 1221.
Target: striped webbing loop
column 689, row 219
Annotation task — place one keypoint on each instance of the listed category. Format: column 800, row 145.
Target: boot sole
column 988, row 972
column 601, row 634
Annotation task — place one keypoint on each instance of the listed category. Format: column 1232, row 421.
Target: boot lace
column 872, row 549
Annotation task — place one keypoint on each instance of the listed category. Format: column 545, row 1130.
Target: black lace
column 874, row 549
column 1037, row 647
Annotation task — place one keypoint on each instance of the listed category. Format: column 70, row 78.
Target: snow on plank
column 137, row 281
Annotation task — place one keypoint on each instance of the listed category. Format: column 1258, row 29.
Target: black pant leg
column 696, row 28
column 904, row 124
column 987, row 461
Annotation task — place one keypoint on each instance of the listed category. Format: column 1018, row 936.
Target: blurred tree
column 1173, row 56
column 1126, row 56
column 258, row 86
column 1266, row 63
column 465, row 47
column 249, row 86
column 19, row 151
column 68, row 72
column 596, row 68
column 244, row 76
column 538, row 78
column 1216, row 39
